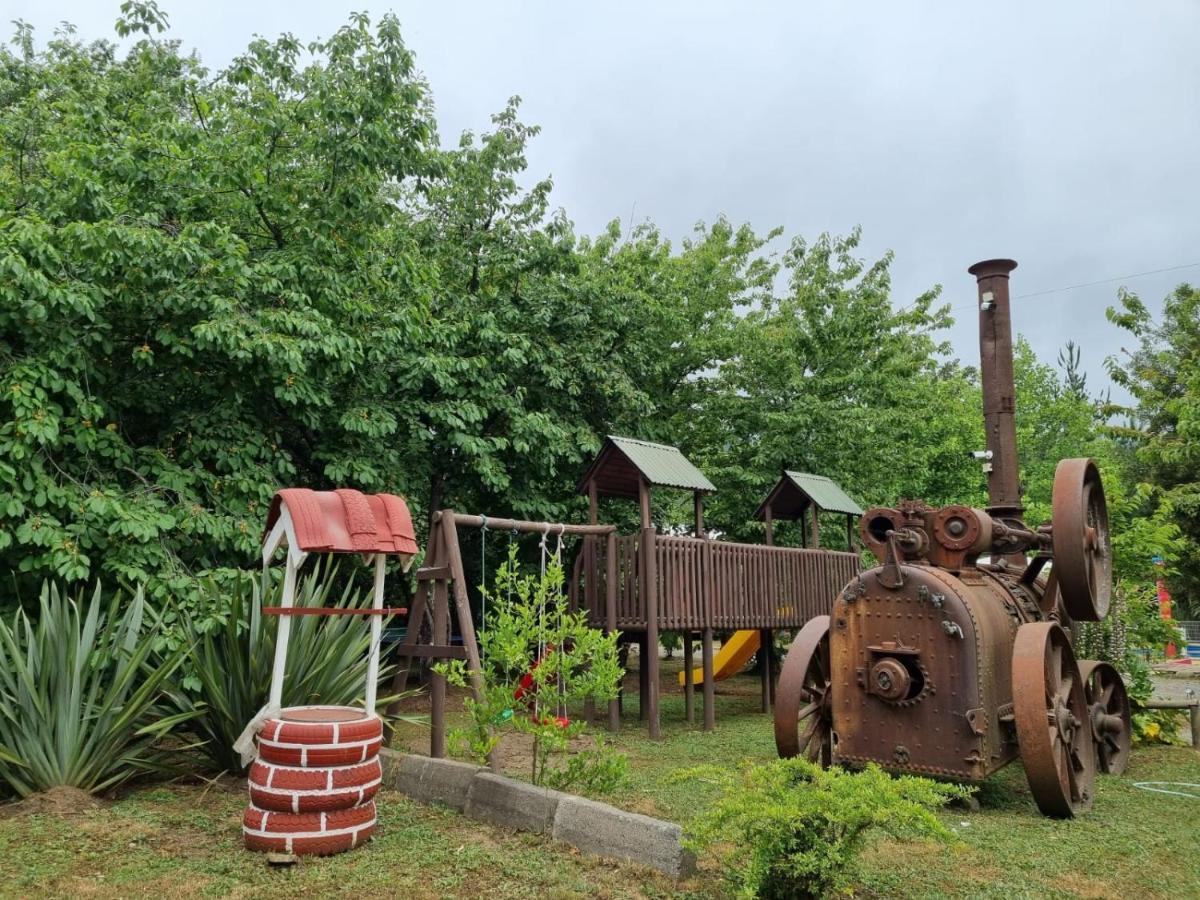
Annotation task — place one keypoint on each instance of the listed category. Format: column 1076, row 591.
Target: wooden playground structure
column 645, row 583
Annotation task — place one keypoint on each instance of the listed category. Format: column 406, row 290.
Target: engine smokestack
column 999, row 389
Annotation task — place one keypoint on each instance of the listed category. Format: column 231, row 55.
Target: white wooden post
column 284, row 632
column 376, row 628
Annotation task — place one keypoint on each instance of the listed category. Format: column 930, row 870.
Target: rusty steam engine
column 953, row 656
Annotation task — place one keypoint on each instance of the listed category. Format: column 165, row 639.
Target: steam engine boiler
column 952, row 656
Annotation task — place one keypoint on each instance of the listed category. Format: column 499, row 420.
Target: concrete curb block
column 513, row 804
column 588, row 825
column 429, row 780
column 607, row 831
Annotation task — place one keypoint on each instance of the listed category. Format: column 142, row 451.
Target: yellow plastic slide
column 734, row 655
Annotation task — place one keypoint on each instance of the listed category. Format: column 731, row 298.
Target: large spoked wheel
column 1108, row 707
column 803, row 705
column 1053, row 720
column 1082, row 547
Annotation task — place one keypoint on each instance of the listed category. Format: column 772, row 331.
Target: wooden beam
column 769, row 520
column 525, row 526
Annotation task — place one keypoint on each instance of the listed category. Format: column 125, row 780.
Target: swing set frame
column 442, row 576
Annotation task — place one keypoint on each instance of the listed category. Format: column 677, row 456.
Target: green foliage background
column 215, row 283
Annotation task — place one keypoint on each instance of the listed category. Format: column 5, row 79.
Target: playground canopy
column 624, row 463
column 796, row 491
column 795, row 494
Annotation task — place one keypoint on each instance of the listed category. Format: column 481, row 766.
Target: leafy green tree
column 831, row 378
column 1162, row 375
column 202, row 291
column 1054, row 422
column 522, row 371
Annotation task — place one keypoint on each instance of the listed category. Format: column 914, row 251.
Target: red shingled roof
column 346, row 521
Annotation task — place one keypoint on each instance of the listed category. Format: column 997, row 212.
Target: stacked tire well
column 313, row 784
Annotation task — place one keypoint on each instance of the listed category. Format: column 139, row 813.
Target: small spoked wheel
column 803, row 702
column 1108, row 707
column 1053, row 720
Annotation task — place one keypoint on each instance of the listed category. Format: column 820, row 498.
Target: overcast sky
column 1065, row 135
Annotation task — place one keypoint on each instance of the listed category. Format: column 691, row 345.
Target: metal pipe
column 999, row 390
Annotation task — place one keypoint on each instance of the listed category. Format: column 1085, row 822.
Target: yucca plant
column 231, row 659
column 83, row 694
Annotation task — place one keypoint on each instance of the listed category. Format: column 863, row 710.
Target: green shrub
column 230, row 655
column 790, row 829
column 83, row 694
column 670, row 641
column 525, row 613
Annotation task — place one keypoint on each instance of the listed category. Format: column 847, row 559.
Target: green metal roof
column 825, row 493
column 659, row 464
column 796, row 491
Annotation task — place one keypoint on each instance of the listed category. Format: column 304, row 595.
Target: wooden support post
column 649, row 593
column 437, row 683
column 698, row 501
column 652, row 631
column 591, row 573
column 803, row 532
column 816, row 516
column 416, row 616
column 689, row 691
column 462, row 603
column 610, row 616
column 769, row 521
column 710, row 712
column 643, row 678
column 708, row 581
column 766, row 646
column 644, row 503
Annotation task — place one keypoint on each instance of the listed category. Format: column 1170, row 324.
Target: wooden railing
column 713, row 584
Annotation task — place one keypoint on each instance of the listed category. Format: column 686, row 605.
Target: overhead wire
column 1082, row 284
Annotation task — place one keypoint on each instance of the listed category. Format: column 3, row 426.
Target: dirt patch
column 63, row 802
column 516, row 753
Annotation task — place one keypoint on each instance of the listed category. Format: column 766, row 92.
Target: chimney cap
column 989, row 267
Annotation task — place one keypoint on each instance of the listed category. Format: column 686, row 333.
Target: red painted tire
column 322, row 725
column 298, row 790
column 320, row 736
column 320, row 833
column 318, row 755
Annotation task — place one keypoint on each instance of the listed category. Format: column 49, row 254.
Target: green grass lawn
column 184, row 839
